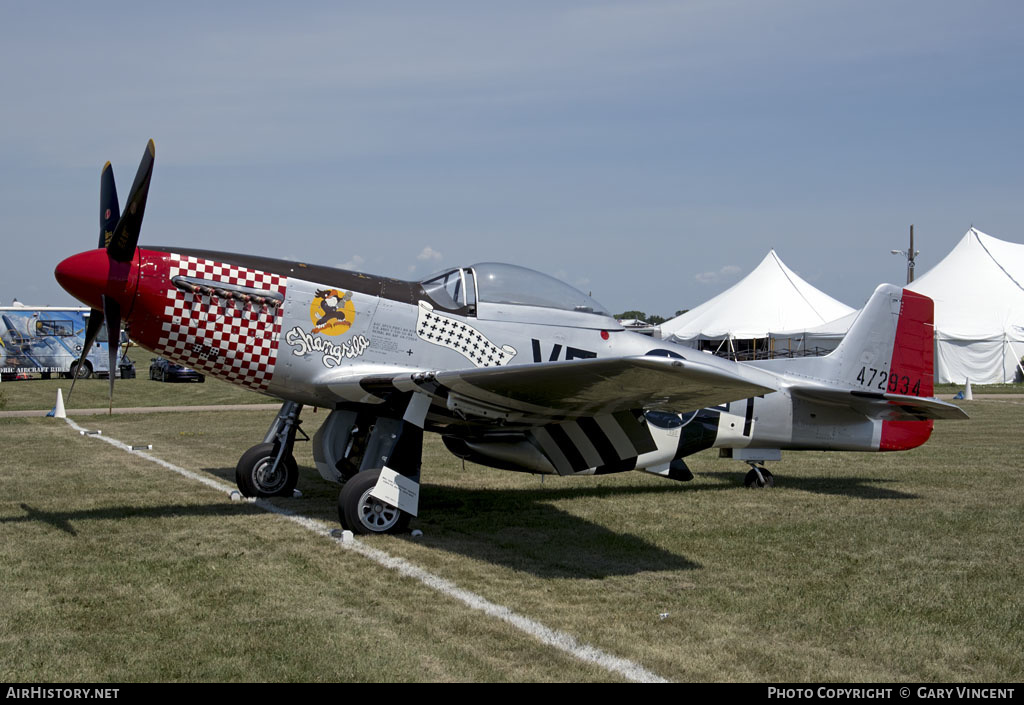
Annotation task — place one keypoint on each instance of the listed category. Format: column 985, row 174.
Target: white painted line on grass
column 559, row 640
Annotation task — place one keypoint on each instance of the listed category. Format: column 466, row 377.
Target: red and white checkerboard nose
column 231, row 339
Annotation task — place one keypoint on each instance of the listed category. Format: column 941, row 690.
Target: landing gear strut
column 269, row 468
column 397, row 445
column 359, row 451
column 758, row 476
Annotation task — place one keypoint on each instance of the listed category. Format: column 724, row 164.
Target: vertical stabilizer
column 889, row 348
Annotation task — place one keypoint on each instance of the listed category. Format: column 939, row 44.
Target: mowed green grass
column 41, row 394
column 856, row 567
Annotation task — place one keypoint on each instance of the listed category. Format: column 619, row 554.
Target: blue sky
column 648, row 152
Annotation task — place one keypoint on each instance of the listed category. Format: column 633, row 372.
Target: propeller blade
column 126, row 235
column 92, row 329
column 112, row 314
column 110, row 213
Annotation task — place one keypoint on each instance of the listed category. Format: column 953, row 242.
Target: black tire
column 163, row 375
column 752, row 481
column 362, row 514
column 83, row 372
column 254, row 476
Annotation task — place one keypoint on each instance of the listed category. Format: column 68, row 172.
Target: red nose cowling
column 89, row 275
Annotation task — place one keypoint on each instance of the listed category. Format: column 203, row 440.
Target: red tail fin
column 912, row 369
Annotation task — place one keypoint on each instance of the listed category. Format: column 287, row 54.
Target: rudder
column 913, row 357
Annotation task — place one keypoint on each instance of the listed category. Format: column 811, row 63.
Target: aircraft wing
column 582, row 388
column 16, row 337
column 888, row 407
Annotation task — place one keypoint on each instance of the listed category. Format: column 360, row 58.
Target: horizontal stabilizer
column 881, row 405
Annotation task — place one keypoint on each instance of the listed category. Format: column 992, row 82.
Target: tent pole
column 910, row 257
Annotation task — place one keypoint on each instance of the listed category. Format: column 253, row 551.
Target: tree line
column 653, row 319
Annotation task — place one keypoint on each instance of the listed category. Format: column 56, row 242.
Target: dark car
column 167, row 371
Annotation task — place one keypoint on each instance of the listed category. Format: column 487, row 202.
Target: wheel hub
column 268, row 478
column 375, row 514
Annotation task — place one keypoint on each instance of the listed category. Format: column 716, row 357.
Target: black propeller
column 126, row 233
column 119, row 234
column 110, row 212
column 112, row 314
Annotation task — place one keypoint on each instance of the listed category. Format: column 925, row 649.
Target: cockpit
column 494, row 291
column 454, row 290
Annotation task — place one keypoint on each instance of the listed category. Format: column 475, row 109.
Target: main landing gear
column 269, row 468
column 360, row 450
column 355, row 449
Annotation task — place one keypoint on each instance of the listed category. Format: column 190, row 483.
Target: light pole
column 910, row 255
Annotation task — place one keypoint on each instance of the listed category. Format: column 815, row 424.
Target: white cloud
column 356, row 262
column 726, row 273
column 428, row 253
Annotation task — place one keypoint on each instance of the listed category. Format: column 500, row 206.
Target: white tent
column 770, row 298
column 978, row 289
column 816, row 340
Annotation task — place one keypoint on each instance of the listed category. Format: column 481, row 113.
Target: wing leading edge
column 580, row 388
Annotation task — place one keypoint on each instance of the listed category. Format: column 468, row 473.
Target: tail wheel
column 753, row 481
column 363, row 514
column 256, row 475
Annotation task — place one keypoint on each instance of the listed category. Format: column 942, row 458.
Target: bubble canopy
column 508, row 284
column 505, row 291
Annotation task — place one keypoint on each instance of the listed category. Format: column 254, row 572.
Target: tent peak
column 770, row 297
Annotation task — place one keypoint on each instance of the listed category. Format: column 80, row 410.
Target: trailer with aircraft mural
column 48, row 340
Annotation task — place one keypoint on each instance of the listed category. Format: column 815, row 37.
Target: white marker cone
column 968, row 394
column 58, row 408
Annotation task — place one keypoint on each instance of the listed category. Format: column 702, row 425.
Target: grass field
column 1008, row 388
column 856, row 567
column 37, row 394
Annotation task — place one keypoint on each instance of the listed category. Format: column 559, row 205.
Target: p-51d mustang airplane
column 514, row 369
